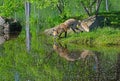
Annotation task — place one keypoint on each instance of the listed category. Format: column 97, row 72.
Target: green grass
column 101, row 36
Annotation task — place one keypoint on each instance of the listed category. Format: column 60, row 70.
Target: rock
column 2, row 21
column 9, row 28
column 2, row 40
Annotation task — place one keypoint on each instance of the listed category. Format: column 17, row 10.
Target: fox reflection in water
column 71, row 55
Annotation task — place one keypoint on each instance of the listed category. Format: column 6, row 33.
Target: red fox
column 63, row 28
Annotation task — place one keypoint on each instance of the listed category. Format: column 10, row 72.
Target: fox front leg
column 65, row 34
column 73, row 29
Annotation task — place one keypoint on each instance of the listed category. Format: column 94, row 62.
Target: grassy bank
column 101, row 36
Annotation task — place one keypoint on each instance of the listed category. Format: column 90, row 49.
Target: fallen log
column 92, row 22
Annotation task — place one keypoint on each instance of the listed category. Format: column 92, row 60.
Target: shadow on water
column 85, row 64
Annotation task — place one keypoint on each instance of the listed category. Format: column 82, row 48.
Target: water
column 54, row 61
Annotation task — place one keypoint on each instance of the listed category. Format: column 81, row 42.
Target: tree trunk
column 98, row 6
column 27, row 13
column 107, row 9
column 86, row 10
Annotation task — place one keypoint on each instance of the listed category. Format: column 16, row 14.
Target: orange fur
column 63, row 27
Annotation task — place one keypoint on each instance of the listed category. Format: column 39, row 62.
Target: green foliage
column 9, row 7
column 44, row 3
column 43, row 63
column 101, row 36
column 45, row 13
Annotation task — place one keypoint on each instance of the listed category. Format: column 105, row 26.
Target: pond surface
column 55, row 61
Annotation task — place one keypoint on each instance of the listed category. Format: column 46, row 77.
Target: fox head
column 83, row 26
